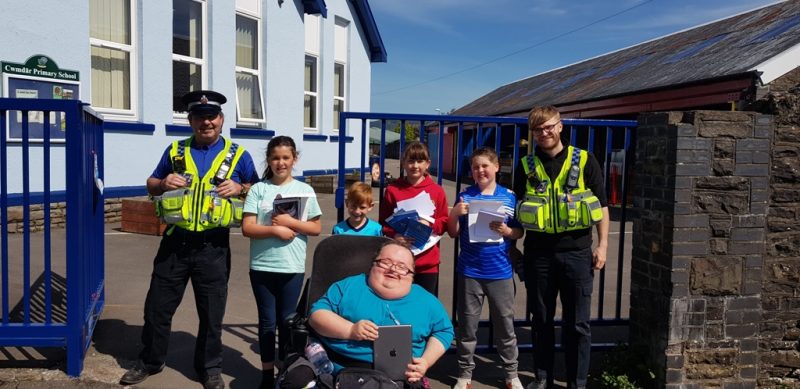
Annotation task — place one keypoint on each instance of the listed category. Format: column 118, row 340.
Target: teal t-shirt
column 273, row 254
column 370, row 228
column 353, row 299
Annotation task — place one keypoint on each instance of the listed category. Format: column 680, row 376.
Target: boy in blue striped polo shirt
column 485, row 269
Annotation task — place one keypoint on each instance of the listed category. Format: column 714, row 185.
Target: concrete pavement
column 116, row 338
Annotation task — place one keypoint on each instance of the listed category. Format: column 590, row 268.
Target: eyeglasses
column 548, row 128
column 388, row 264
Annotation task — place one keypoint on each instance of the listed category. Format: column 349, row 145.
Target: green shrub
column 616, row 381
column 626, row 367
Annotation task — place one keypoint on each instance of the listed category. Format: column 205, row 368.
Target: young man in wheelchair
column 347, row 317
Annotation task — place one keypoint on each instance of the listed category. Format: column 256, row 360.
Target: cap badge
column 204, row 100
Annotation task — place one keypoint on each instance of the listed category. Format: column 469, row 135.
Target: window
column 339, row 71
column 311, row 74
column 576, row 77
column 695, row 48
column 778, row 29
column 338, row 93
column 188, row 49
column 112, row 48
column 310, row 98
column 629, row 64
column 248, row 87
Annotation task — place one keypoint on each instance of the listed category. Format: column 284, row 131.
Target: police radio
column 222, row 172
column 179, row 167
column 178, row 164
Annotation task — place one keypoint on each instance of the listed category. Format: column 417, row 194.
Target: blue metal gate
column 609, row 140
column 40, row 316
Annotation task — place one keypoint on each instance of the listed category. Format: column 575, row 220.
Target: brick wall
column 701, row 192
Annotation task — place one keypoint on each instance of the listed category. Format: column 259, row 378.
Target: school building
column 286, row 67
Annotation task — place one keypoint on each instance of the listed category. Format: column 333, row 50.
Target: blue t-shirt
column 488, row 261
column 203, row 156
column 353, row 299
column 370, row 228
column 275, row 254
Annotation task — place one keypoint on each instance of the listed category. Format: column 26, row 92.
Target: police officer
column 198, row 183
column 561, row 196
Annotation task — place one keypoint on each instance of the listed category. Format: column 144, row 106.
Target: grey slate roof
column 727, row 47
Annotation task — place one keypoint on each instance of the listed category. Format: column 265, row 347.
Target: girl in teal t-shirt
column 279, row 215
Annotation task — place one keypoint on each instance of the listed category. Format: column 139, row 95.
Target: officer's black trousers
column 567, row 274
column 204, row 258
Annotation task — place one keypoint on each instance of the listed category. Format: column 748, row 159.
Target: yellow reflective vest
column 562, row 205
column 197, row 207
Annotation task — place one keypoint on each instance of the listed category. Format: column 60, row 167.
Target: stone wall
column 58, row 215
column 701, row 192
column 779, row 342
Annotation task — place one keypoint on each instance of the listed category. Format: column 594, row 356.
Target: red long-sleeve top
column 427, row 261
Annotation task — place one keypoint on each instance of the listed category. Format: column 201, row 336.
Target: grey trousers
column 471, row 294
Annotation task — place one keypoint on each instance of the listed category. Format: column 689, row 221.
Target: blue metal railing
column 36, row 320
column 604, row 138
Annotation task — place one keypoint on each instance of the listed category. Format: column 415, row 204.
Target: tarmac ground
column 115, row 343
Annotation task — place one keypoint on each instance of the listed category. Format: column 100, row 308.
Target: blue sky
column 437, row 48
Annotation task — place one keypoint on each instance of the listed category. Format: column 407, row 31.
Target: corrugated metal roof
column 727, row 47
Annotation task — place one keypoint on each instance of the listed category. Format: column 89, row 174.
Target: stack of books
column 407, row 223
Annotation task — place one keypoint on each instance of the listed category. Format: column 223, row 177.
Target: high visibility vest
column 197, row 207
column 562, row 205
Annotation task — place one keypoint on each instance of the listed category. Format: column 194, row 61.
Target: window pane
column 310, row 111
column 110, row 20
column 246, row 42
column 311, row 74
column 338, row 80
column 187, row 28
column 338, row 107
column 186, row 77
column 247, row 90
column 111, row 78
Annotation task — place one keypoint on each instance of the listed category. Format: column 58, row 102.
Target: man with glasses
column 347, row 317
column 562, row 196
column 198, row 181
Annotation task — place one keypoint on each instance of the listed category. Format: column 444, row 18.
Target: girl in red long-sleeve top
column 415, row 161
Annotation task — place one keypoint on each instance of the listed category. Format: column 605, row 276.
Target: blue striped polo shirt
column 488, row 261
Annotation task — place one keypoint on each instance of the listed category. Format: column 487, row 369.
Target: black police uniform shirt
column 569, row 240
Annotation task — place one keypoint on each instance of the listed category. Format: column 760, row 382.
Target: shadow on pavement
column 121, row 341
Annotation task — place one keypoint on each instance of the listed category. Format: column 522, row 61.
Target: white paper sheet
column 422, row 203
column 480, row 233
column 431, row 241
column 483, row 222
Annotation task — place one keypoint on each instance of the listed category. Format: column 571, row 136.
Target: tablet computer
column 392, row 351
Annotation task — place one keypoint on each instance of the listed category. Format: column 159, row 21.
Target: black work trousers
column 567, row 274
column 205, row 259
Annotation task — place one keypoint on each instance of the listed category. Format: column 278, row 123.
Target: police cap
column 203, row 102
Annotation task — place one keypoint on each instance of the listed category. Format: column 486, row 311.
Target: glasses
column 547, row 128
column 388, row 264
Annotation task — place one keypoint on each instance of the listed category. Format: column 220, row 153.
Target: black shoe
column 138, row 374
column 214, row 381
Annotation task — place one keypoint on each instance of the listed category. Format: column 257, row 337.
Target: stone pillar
column 779, row 349
column 701, row 189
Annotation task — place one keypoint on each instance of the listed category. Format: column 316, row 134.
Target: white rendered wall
column 38, row 27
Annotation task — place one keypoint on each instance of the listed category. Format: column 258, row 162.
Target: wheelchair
column 335, row 258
